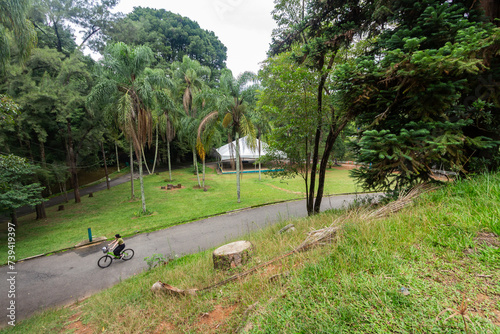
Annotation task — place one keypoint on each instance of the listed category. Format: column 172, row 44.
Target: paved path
column 66, row 277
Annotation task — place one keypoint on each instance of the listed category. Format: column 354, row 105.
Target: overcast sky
column 244, row 27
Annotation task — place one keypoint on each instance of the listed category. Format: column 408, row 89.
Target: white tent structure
column 247, row 154
column 228, row 151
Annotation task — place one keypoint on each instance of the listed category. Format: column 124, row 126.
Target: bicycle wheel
column 127, row 254
column 105, row 261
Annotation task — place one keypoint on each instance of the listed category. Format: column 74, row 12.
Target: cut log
column 232, row 255
column 163, row 287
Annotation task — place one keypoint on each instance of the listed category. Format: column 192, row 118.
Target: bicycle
column 106, row 260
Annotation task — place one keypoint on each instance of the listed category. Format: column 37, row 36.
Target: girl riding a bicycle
column 117, row 245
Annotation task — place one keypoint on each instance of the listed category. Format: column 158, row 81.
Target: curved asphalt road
column 66, row 277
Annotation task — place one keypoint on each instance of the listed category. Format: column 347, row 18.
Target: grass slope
column 441, row 249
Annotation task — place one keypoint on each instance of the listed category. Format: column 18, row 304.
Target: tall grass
column 432, row 249
column 426, row 249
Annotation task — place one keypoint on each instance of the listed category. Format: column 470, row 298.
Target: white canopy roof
column 227, row 151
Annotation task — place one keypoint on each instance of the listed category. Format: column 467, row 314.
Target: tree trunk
column 143, row 197
column 321, row 85
column 132, row 172
column 145, row 161
column 40, row 208
column 156, row 151
column 13, row 218
column 330, row 141
column 203, row 173
column 40, row 211
column 72, row 161
column 260, row 167
column 105, row 166
column 117, row 158
column 42, row 154
column 306, row 172
column 312, row 184
column 237, row 167
column 491, row 10
column 195, row 163
column 59, row 44
column 169, row 163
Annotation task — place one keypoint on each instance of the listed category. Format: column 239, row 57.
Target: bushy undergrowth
column 440, row 252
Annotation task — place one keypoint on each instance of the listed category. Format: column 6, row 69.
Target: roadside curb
column 82, row 244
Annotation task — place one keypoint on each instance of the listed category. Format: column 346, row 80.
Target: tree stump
column 232, row 255
column 61, row 208
column 91, row 195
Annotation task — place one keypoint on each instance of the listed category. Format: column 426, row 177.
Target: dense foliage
column 45, row 111
column 170, row 36
column 17, row 186
column 419, row 80
column 425, row 106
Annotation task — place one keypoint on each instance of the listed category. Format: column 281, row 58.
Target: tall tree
column 55, row 19
column 234, row 97
column 51, row 91
column 170, row 36
column 328, row 27
column 288, row 101
column 125, row 86
column 191, row 78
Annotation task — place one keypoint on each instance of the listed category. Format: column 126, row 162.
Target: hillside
column 433, row 267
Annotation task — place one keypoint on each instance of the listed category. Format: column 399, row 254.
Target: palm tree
column 262, row 125
column 167, row 131
column 208, row 133
column 126, row 87
column 233, row 99
column 163, row 102
column 191, row 78
column 15, row 28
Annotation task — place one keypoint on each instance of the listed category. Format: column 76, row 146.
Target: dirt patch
column 287, row 191
column 487, row 239
column 164, row 327
column 76, row 326
column 484, row 239
column 483, row 301
column 345, row 166
column 496, row 321
column 216, row 320
column 198, row 187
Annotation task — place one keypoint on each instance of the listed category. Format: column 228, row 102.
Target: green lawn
column 111, row 211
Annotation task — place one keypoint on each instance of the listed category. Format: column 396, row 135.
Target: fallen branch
column 405, row 198
column 313, row 239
